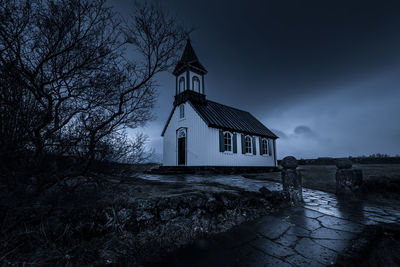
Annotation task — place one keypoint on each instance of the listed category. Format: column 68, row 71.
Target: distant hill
column 372, row 159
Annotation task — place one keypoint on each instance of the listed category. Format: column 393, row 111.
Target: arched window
column 264, row 147
column 228, row 141
column 196, row 84
column 182, row 111
column 181, row 84
column 182, row 133
column 247, row 142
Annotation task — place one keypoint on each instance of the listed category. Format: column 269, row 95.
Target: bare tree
column 66, row 86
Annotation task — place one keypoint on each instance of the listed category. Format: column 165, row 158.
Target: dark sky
column 323, row 75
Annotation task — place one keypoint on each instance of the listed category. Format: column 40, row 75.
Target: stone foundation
column 211, row 170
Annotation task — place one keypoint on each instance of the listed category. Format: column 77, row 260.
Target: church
column 201, row 132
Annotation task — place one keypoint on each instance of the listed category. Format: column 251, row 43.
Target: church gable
column 181, row 114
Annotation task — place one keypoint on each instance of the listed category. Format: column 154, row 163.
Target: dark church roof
column 189, row 60
column 227, row 118
column 224, row 117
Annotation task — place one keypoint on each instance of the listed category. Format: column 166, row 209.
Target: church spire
column 189, row 61
column 189, row 75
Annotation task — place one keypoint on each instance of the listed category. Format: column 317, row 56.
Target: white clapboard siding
column 203, row 144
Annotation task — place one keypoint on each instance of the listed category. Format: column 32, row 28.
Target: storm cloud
column 304, row 131
column 324, row 75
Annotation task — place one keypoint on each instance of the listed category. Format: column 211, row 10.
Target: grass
column 322, row 177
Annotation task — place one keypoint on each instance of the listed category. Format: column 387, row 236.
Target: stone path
column 310, row 235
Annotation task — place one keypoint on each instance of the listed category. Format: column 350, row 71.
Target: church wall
column 216, row 158
column 197, row 131
column 203, row 144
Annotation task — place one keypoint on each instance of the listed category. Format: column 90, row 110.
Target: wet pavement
column 313, row 234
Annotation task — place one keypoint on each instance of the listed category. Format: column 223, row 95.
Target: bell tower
column 189, row 73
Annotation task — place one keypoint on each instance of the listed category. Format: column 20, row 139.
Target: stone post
column 291, row 180
column 348, row 180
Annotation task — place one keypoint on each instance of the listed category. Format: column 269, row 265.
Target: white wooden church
column 200, row 132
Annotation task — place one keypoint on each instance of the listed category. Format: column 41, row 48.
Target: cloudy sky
column 323, row 75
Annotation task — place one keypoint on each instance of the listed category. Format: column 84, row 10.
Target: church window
column 196, row 84
column 248, row 147
column 264, row 147
column 182, row 111
column 182, row 133
column 181, row 84
column 228, row 141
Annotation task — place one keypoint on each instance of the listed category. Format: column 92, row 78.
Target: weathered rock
column 265, row 192
column 144, row 209
column 211, row 204
column 124, row 215
column 195, row 201
column 227, row 202
column 143, row 215
column 291, row 180
column 184, row 211
column 348, row 181
column 163, row 203
column 146, row 204
column 344, row 164
column 167, row 214
column 289, row 162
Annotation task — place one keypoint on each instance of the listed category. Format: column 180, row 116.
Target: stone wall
column 160, row 225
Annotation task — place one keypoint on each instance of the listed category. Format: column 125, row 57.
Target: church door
column 182, row 147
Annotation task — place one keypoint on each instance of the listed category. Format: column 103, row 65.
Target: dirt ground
column 322, row 177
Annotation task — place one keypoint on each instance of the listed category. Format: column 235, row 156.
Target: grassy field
column 322, row 177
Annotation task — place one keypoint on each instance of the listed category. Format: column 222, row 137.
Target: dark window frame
column 248, row 144
column 228, row 142
column 264, row 146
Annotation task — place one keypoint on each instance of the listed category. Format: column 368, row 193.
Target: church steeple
column 189, row 60
column 189, row 73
